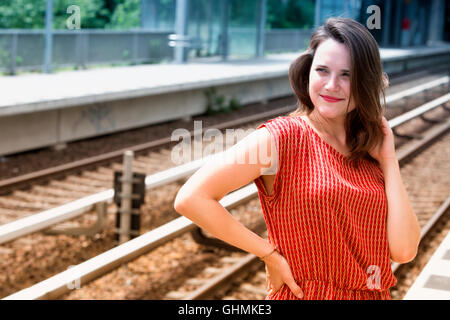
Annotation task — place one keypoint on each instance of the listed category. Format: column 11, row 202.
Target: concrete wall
column 39, row 129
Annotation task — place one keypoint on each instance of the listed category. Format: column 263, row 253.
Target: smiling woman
column 332, row 196
column 340, row 70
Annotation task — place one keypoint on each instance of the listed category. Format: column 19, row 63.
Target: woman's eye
column 326, row 71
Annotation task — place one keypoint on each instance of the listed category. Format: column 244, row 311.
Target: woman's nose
column 332, row 83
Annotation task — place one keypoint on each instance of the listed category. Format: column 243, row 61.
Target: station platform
column 40, row 110
column 433, row 283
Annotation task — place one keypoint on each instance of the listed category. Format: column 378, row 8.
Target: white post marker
column 126, row 196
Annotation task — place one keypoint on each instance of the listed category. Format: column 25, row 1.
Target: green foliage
column 284, row 14
column 218, row 103
column 124, row 14
column 22, row 14
column 93, row 13
column 30, row 14
column 234, row 104
column 243, row 15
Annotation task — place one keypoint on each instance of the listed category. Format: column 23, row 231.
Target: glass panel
column 206, row 27
column 158, row 15
column 243, row 28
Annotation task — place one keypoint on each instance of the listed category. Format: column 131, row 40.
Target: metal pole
column 181, row 17
column 437, row 15
column 14, row 37
column 135, row 48
column 48, row 37
column 261, row 31
column 210, row 26
column 386, row 22
column 317, row 14
column 224, row 10
column 126, row 196
column 398, row 23
column 144, row 14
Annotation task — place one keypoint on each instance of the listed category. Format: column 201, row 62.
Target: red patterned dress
column 327, row 217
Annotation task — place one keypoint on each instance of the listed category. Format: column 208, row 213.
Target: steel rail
column 18, row 182
column 426, row 229
column 206, row 290
column 417, row 89
column 73, row 209
column 73, row 167
column 223, row 279
column 103, row 263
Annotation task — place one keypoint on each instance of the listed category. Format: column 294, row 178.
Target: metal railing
column 283, row 40
column 23, row 49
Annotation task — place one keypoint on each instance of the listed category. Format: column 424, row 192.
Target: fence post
column 48, row 37
column 135, row 49
column 181, row 21
column 261, row 27
column 126, row 196
column 14, row 37
column 223, row 42
column 85, row 51
column 78, row 49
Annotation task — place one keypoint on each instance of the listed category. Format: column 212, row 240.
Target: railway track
column 222, row 278
column 428, row 185
column 10, row 181
column 17, row 203
column 255, row 205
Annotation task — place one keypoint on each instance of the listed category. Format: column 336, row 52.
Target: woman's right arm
column 198, row 200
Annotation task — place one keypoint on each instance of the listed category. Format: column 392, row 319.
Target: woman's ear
column 385, row 79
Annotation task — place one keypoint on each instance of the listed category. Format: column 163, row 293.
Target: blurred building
column 236, row 28
column 209, row 28
column 403, row 22
column 215, row 30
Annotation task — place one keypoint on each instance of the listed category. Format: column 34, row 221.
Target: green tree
column 30, row 14
column 93, row 13
column 127, row 14
column 243, row 13
column 284, row 14
column 22, row 14
column 123, row 14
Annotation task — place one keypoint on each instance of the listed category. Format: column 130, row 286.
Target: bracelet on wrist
column 270, row 253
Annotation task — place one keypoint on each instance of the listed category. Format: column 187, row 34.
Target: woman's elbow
column 180, row 202
column 404, row 256
column 177, row 205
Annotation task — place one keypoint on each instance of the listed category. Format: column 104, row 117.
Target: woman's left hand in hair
column 385, row 150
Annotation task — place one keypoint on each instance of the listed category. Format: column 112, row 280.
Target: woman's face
column 329, row 80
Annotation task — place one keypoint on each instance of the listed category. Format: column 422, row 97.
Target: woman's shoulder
column 291, row 126
column 286, row 122
column 286, row 130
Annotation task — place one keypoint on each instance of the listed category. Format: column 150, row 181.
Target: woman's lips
column 330, row 99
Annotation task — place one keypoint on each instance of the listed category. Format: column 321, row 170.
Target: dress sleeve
column 282, row 132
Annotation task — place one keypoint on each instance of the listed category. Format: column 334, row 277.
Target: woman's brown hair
column 367, row 82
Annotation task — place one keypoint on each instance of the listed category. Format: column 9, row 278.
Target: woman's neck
column 333, row 128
